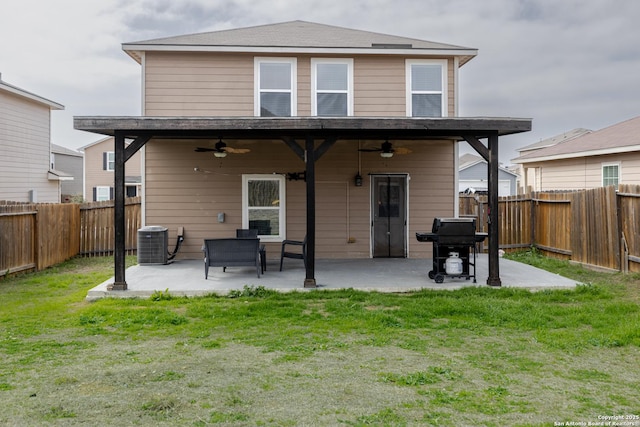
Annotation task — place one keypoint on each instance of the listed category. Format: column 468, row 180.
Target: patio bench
column 231, row 252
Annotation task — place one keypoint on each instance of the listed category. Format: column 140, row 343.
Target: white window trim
column 108, row 153
column 100, row 188
column 282, row 208
column 314, row 82
column 603, row 165
column 408, row 75
column 256, row 82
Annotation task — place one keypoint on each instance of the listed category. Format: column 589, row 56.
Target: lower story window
column 263, row 205
column 102, row 193
column 610, row 175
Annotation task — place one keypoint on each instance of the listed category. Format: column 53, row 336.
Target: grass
column 476, row 356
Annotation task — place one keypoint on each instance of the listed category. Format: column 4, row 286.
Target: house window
column 131, row 190
column 426, row 88
column 332, row 83
column 263, row 205
column 275, row 87
column 108, row 161
column 102, row 193
column 610, row 175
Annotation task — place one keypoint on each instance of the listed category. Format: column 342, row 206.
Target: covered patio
column 309, row 138
column 186, row 277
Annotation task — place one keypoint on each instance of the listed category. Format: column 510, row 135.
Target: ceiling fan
column 221, row 149
column 386, row 150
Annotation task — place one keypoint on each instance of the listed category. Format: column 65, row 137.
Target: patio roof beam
column 136, row 145
column 478, row 146
column 324, row 147
column 295, row 147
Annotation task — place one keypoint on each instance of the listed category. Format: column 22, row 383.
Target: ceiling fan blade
column 370, row 149
column 203, row 149
column 402, row 150
column 236, row 150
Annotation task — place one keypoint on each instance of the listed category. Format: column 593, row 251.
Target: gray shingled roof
column 558, row 139
column 619, row 138
column 298, row 35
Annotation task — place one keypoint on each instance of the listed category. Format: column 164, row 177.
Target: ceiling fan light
column 220, row 154
column 386, row 155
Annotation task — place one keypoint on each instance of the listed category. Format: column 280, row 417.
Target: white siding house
column 25, row 147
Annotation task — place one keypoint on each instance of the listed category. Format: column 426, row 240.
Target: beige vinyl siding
column 95, row 175
column 198, row 84
column 304, row 86
column 206, row 84
column 379, row 85
column 25, row 150
column 177, row 196
column 585, row 172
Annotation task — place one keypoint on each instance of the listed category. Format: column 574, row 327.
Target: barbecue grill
column 453, row 238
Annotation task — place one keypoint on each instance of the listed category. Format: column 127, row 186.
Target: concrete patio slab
column 186, row 277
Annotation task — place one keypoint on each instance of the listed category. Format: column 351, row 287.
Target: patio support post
column 120, row 283
column 494, row 226
column 310, row 161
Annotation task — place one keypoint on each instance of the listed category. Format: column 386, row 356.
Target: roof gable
column 621, row 137
column 558, row 139
column 4, row 86
column 298, row 36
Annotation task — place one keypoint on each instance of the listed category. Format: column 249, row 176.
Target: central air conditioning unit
column 153, row 242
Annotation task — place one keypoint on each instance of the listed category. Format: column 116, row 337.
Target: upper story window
column 426, row 88
column 275, row 87
column 611, row 175
column 108, row 161
column 332, row 87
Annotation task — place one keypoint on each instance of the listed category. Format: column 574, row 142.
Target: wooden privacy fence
column 96, row 227
column 597, row 227
column 36, row 236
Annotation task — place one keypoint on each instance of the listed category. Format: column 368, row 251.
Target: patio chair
column 252, row 233
column 231, row 253
column 300, row 254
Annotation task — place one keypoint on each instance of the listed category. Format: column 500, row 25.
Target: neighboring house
column 25, row 147
column 609, row 156
column 472, row 176
column 529, row 177
column 274, row 127
column 69, row 161
column 99, row 160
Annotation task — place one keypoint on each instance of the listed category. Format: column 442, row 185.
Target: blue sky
column 565, row 64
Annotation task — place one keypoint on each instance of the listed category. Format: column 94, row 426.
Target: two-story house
column 25, row 147
column 347, row 137
column 99, row 166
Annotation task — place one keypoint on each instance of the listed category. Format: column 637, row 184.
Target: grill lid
column 454, row 226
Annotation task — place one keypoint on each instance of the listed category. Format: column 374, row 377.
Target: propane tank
column 453, row 264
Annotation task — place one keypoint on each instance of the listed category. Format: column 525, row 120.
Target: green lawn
column 477, row 356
